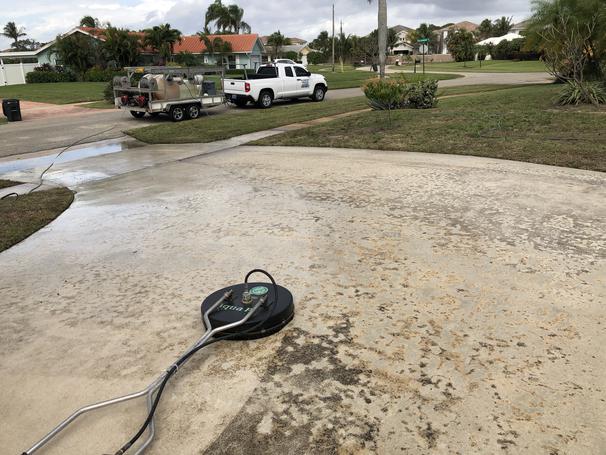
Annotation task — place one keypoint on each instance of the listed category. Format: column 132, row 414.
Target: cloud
column 44, row 19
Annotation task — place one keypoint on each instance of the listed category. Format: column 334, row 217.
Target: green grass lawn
column 8, row 183
column 22, row 216
column 491, row 66
column 351, row 77
column 519, row 124
column 471, row 89
column 213, row 128
column 3, row 120
column 55, row 93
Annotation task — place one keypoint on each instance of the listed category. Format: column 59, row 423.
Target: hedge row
column 41, row 77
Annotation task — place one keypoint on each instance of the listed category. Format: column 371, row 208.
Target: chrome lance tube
column 153, row 386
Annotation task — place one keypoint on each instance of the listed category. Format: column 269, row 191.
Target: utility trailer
column 180, row 92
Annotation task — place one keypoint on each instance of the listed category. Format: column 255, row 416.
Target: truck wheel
column 193, row 111
column 137, row 114
column 241, row 103
column 319, row 93
column 177, row 113
column 265, row 99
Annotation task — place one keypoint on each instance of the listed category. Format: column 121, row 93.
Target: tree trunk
column 382, row 36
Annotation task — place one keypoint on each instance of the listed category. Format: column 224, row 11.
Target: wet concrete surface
column 62, row 155
column 444, row 304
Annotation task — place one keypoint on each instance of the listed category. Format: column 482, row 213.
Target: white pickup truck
column 272, row 82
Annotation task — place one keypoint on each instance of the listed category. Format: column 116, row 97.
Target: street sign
column 424, row 40
column 423, row 49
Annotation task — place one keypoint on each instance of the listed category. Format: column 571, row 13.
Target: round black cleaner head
column 267, row 320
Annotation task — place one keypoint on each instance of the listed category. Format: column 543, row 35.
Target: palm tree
column 382, row 25
column 13, row 32
column 215, row 45
column 121, row 46
column 227, row 19
column 89, row 21
column 218, row 13
column 162, row 38
column 236, row 14
column 276, row 40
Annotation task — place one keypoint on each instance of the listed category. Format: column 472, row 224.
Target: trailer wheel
column 193, row 111
column 177, row 113
column 265, row 99
column 137, row 114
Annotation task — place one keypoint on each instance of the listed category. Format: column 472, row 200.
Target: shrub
column 389, row 94
column 108, row 92
column 48, row 76
column 315, row 58
column 186, row 58
column 97, row 74
column 582, row 93
column 292, row 55
column 422, row 95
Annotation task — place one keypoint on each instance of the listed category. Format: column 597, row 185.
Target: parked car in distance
column 272, row 82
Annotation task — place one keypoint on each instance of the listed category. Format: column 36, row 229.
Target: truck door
column 290, row 82
column 303, row 87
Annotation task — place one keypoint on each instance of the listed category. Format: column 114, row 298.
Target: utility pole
column 333, row 37
column 341, row 46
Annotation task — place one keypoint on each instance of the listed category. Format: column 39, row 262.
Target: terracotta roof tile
column 192, row 43
column 239, row 43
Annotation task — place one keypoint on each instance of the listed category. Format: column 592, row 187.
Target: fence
column 14, row 73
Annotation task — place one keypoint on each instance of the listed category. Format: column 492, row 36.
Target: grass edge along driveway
column 520, row 124
column 22, row 216
column 223, row 126
column 55, row 93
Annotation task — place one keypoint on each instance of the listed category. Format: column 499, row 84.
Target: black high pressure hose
column 175, row 366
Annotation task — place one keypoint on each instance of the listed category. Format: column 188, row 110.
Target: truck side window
column 288, row 71
column 301, row 72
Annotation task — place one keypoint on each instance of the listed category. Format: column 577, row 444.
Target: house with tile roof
column 247, row 52
column 444, row 32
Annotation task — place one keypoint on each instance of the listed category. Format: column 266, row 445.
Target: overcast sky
column 44, row 19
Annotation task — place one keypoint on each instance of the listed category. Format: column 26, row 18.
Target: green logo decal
column 259, row 290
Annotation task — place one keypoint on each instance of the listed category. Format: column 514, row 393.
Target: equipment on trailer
column 238, row 312
column 180, row 92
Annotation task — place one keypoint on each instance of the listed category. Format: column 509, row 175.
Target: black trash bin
column 209, row 88
column 11, row 110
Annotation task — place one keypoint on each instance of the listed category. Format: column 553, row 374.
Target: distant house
column 293, row 40
column 497, row 39
column 520, row 27
column 15, row 65
column 297, row 45
column 246, row 50
column 444, row 32
column 403, row 45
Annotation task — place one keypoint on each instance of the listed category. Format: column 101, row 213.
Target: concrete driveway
column 444, row 304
